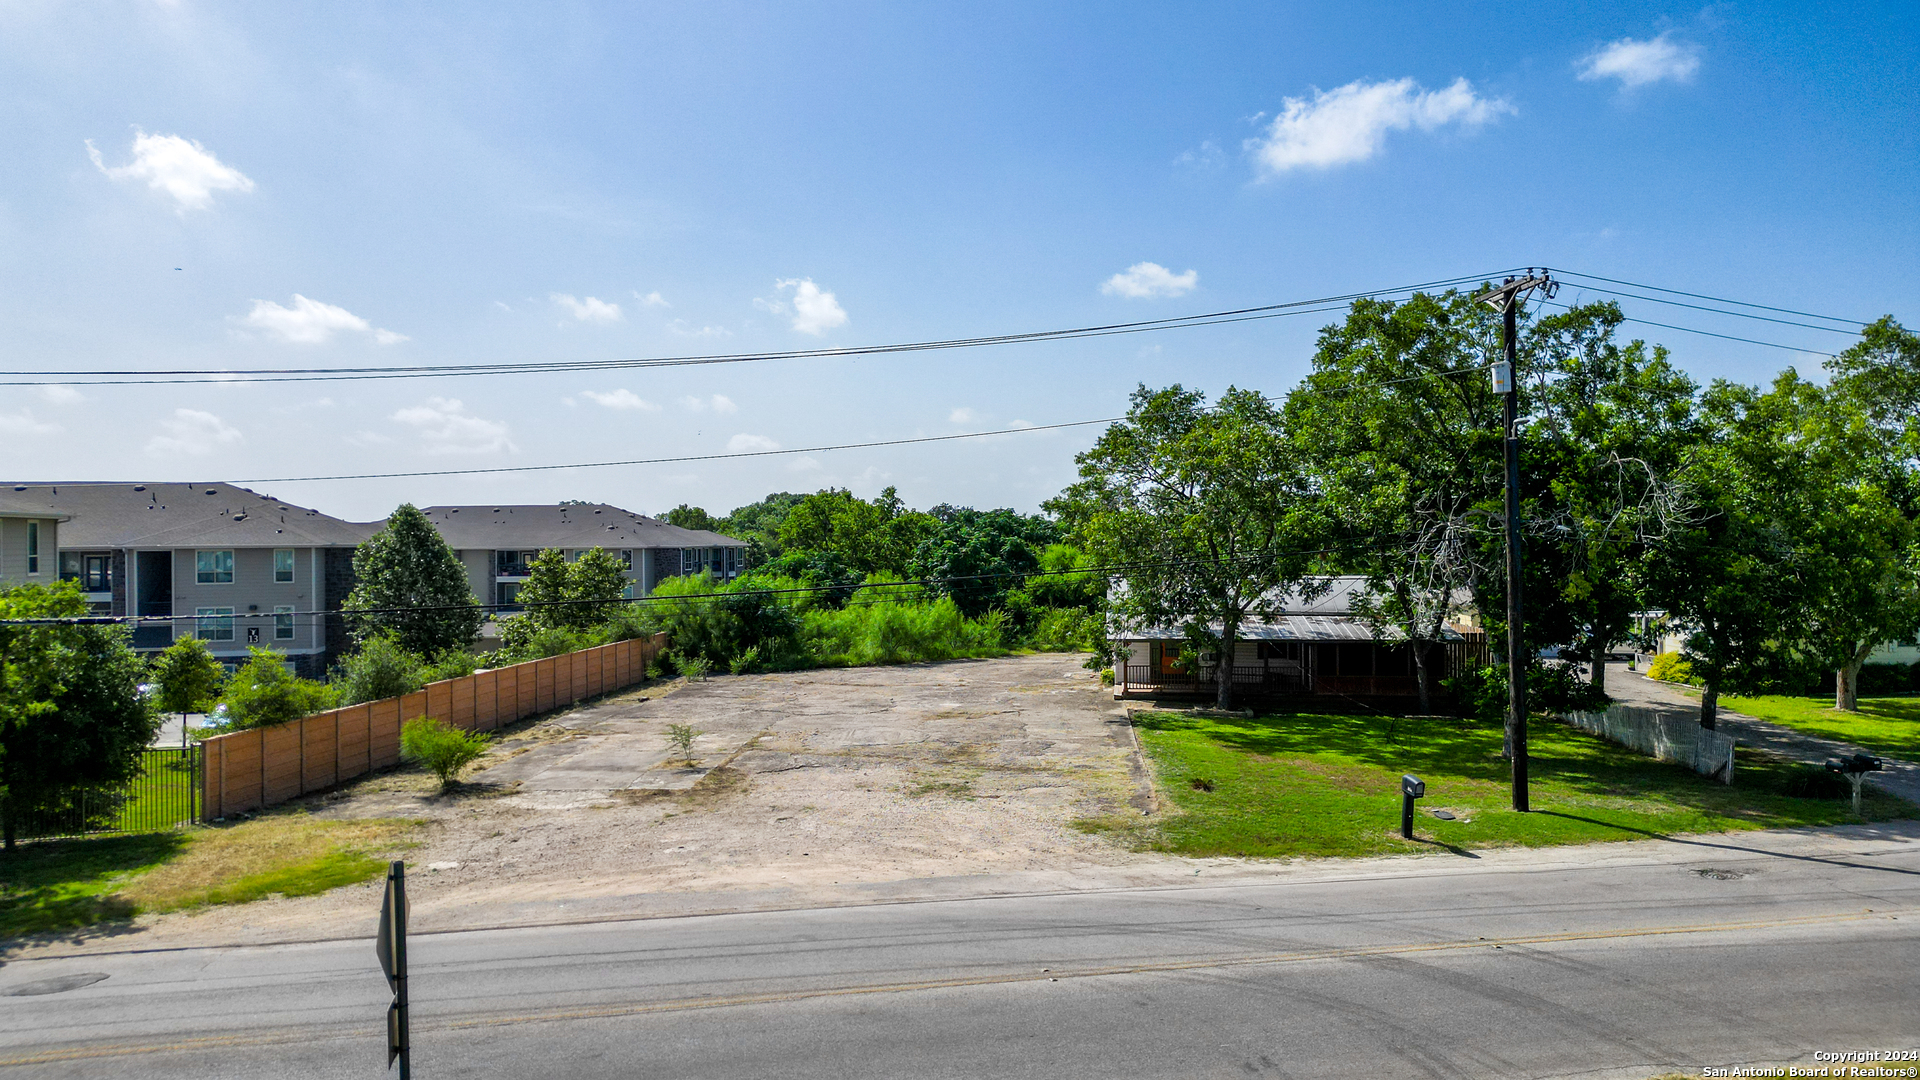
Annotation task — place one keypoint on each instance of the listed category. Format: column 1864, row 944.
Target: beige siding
column 253, row 587
column 479, row 567
column 13, row 550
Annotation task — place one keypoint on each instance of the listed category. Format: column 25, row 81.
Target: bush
column 188, row 676
column 1670, row 667
column 1068, row 630
column 443, row 749
column 881, row 626
column 380, row 668
column 452, row 664
column 263, row 693
column 523, row 638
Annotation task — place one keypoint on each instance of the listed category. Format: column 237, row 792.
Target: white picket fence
column 1670, row 738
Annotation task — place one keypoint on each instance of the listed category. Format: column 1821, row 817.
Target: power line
column 1718, row 311
column 131, row 377
column 1703, row 333
column 1715, row 299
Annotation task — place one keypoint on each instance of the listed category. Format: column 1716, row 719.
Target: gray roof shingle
column 122, row 515
column 575, row 525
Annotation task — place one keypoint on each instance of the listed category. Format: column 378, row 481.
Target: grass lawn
column 1884, row 725
column 69, row 884
column 1277, row 786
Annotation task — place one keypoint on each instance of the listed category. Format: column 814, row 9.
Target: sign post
column 392, row 946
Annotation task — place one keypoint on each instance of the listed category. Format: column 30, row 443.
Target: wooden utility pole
column 1506, row 300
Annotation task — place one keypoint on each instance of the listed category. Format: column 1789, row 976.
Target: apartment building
column 228, row 565
column 29, row 539
column 497, row 544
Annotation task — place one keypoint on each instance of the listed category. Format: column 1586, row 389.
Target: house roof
column 178, row 515
column 14, row 509
column 573, row 525
column 1327, row 615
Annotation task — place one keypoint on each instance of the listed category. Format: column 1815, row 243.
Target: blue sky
column 377, row 184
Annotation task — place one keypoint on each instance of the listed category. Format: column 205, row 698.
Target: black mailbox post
column 1411, row 788
column 1855, row 769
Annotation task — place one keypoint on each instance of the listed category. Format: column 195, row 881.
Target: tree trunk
column 1709, row 705
column 1600, row 669
column 1420, row 676
column 1223, row 671
column 1846, row 681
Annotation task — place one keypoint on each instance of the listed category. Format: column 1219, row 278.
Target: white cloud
column 1349, row 123
column 310, row 322
column 193, row 433
column 681, row 327
column 446, row 427
column 186, row 171
column 1637, row 63
column 815, row 311
column 1207, row 155
column 592, row 309
column 719, row 403
column 23, row 423
column 62, row 395
column 1145, row 280
column 746, row 444
column 621, row 398
column 652, row 299
column 962, row 416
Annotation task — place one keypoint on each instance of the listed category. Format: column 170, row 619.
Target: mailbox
column 1411, row 788
column 1855, row 769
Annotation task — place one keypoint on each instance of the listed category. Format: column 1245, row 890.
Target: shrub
column 523, row 638
column 264, row 692
column 680, row 737
column 1670, row 667
column 1067, row 630
column 443, row 749
column 695, row 667
column 189, row 677
column 380, row 668
column 452, row 664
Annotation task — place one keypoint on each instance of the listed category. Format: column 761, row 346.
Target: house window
column 283, row 622
column 33, row 547
column 98, row 574
column 626, row 558
column 213, row 567
column 213, row 623
column 283, row 564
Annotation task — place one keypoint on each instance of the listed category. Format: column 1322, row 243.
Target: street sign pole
column 392, row 946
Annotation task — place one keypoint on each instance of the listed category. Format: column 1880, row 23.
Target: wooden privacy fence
column 247, row 770
column 1670, row 738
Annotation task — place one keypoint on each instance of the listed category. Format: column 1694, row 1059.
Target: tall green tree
column 1608, row 429
column 981, row 555
column 1733, row 575
column 1401, row 433
column 691, row 517
column 577, row 595
column 71, row 713
column 1206, row 509
column 758, row 523
column 409, row 583
column 870, row 537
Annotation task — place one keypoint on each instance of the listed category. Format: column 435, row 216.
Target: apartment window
column 283, row 564
column 33, row 547
column 213, row 567
column 283, row 622
column 98, row 573
column 507, row 594
column 626, row 558
column 213, row 623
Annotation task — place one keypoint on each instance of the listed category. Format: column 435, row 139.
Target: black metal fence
column 165, row 795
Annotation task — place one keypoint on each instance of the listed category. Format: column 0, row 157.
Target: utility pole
column 1506, row 300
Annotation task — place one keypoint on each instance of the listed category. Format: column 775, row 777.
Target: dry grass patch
column 291, row 854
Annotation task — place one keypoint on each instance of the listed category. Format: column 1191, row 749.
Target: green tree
column 577, row 595
column 758, row 524
column 379, row 668
column 410, row 584
column 1734, row 574
column 1205, row 508
column 981, row 555
column 1608, row 429
column 188, row 677
column 871, row 537
column 264, row 692
column 691, row 517
column 1401, row 434
column 71, row 714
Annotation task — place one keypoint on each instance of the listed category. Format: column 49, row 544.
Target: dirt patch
column 806, row 778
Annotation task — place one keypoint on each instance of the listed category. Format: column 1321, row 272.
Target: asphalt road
column 1711, row 953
